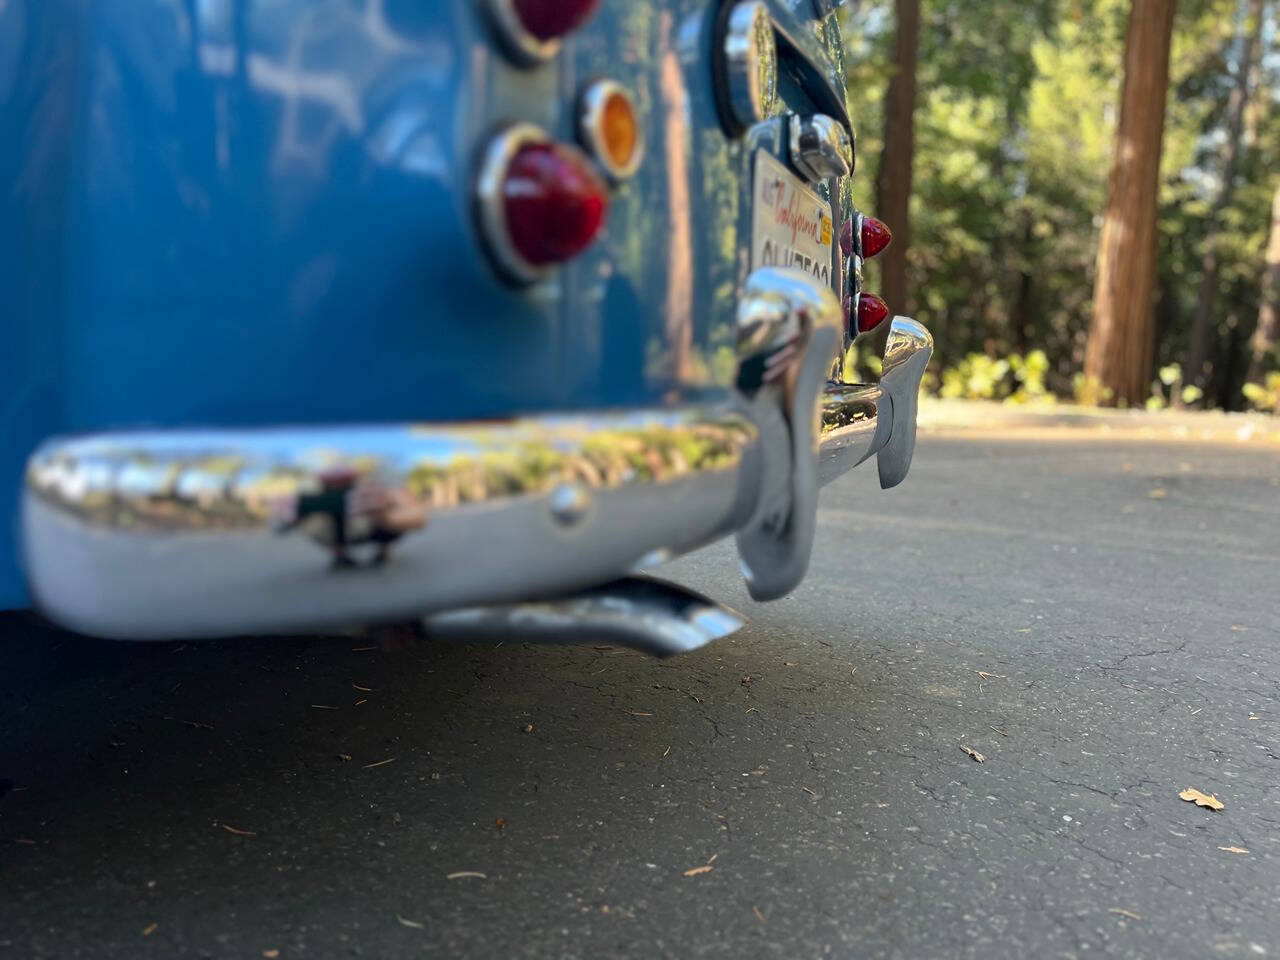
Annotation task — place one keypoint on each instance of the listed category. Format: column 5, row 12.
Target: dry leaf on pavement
column 698, row 871
column 973, row 754
column 1233, row 849
column 1202, row 799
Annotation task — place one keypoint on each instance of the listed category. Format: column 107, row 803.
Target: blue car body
column 243, row 213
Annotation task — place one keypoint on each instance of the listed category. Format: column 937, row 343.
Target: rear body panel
column 249, row 213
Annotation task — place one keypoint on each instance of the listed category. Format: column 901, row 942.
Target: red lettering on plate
column 790, row 216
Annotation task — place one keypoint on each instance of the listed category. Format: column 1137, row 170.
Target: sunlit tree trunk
column 1263, row 344
column 1121, row 337
column 1203, row 324
column 893, row 188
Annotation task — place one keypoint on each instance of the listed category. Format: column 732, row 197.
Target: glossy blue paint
column 246, row 212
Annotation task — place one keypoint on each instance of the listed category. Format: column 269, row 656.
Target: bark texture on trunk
column 1262, row 347
column 893, row 187
column 1121, row 338
column 1203, row 324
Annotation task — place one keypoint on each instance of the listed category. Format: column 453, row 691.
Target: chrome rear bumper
column 224, row 532
column 221, row 532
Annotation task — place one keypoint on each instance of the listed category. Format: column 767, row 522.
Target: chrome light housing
column 747, row 66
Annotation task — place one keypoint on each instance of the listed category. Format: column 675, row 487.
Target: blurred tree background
column 1015, row 109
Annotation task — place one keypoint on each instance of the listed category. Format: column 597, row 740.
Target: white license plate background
column 791, row 225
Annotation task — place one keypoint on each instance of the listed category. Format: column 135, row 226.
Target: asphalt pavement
column 1098, row 620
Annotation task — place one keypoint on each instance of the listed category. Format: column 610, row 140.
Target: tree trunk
column 1121, row 337
column 1227, row 380
column 1203, row 325
column 1263, row 345
column 893, row 187
column 1021, row 315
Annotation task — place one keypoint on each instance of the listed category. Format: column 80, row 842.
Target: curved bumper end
column 905, row 360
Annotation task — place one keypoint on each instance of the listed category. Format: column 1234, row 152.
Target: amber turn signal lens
column 609, row 127
column 619, row 130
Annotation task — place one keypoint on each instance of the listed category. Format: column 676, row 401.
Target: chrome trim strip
column 218, row 532
column 590, row 114
column 491, row 211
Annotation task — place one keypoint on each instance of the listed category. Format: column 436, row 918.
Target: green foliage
column 1264, row 397
column 1089, row 392
column 1015, row 132
column 1013, row 379
column 1168, row 387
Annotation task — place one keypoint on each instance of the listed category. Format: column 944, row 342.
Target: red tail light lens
column 538, row 202
column 554, row 204
column 552, row 19
column 875, row 237
column 872, row 311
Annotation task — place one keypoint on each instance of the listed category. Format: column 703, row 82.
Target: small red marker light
column 552, row 19
column 554, row 204
column 872, row 311
column 875, row 237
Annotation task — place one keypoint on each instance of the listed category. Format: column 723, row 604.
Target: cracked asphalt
column 1100, row 620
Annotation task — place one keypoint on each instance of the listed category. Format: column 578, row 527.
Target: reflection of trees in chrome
column 847, row 407
column 135, row 490
column 599, row 460
column 140, row 491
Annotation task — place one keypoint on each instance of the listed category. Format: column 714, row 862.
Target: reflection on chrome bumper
column 222, row 532
column 859, row 420
column 211, row 533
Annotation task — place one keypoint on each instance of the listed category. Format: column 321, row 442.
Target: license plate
column 791, row 225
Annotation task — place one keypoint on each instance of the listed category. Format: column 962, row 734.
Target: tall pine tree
column 1122, row 336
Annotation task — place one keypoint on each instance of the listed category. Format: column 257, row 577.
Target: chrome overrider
column 205, row 533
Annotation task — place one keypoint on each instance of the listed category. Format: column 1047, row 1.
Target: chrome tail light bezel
column 490, row 201
column 527, row 50
column 746, row 65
